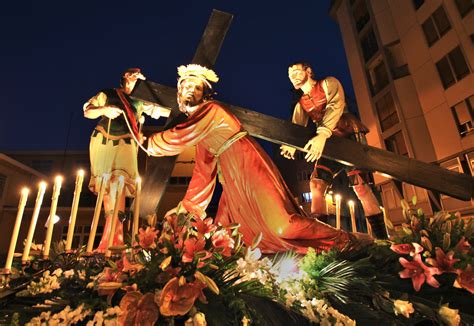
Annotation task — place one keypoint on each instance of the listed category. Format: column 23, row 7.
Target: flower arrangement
column 431, row 246
column 189, row 271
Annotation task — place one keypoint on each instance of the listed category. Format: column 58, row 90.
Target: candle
column 353, row 218
column 54, row 204
column 338, row 211
column 113, row 225
column 16, row 228
column 387, row 222
column 328, row 200
column 75, row 205
column 102, row 181
column 136, row 209
column 369, row 227
column 34, row 219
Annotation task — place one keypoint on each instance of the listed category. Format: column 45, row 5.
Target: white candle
column 328, row 200
column 34, row 219
column 369, row 227
column 136, row 209
column 75, row 205
column 54, row 204
column 113, row 225
column 16, row 228
column 353, row 218
column 338, row 211
column 386, row 221
column 102, row 181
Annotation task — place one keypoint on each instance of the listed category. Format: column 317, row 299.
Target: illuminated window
column 452, row 67
column 306, row 197
column 396, row 143
column 386, row 112
column 436, row 26
column 463, row 113
column 369, row 45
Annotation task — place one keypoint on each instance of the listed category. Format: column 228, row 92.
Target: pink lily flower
column 418, row 272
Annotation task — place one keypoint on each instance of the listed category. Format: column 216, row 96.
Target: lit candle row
column 72, row 220
column 351, row 205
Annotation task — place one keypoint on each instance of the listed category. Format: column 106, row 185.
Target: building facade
column 411, row 64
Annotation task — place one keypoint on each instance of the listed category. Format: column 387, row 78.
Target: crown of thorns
column 193, row 70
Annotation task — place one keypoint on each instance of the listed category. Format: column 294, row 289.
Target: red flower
column 177, row 300
column 223, row 241
column 193, row 246
column 418, row 272
column 444, row 262
column 463, row 246
column 130, row 267
column 138, row 309
column 407, row 248
column 147, row 237
column 465, row 279
column 204, row 226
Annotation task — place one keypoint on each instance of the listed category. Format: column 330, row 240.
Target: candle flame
column 25, row 191
column 42, row 185
column 338, row 197
column 351, row 203
column 80, row 172
column 58, row 179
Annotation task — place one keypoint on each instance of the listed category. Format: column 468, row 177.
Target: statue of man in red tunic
column 323, row 102
column 254, row 193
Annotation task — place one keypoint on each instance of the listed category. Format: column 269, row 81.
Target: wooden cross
column 262, row 126
column 158, row 169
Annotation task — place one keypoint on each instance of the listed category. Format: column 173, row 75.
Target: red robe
column 254, row 192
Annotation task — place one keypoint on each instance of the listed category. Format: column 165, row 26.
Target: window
column 452, row 67
column 470, row 161
column 306, row 197
column 303, row 175
column 3, row 181
column 436, row 26
column 464, row 6
column 378, row 77
column 81, row 235
column 463, row 113
column 361, row 15
column 387, row 112
column 43, row 166
column 300, row 155
column 369, row 45
column 397, row 60
column 396, row 144
column 418, row 3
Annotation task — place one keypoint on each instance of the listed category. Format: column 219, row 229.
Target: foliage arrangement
column 189, row 271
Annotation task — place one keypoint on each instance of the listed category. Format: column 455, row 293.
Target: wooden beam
column 343, row 150
column 158, row 170
column 351, row 153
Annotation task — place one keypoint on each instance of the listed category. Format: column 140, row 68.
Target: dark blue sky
column 57, row 54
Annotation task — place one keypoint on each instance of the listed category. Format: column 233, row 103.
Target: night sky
column 55, row 55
